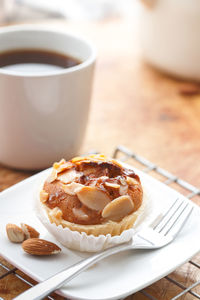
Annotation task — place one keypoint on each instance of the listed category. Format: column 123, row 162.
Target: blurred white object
column 6, row 7
column 81, row 9
column 170, row 36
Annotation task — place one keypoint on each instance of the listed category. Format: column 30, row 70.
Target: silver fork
column 154, row 237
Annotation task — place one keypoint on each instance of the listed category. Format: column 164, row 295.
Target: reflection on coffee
column 36, row 61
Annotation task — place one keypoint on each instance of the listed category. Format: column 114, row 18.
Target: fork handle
column 44, row 288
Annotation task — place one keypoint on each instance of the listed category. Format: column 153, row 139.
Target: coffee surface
column 36, row 60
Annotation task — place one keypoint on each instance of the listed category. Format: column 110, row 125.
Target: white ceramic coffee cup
column 43, row 117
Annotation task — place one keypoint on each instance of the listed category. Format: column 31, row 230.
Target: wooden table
column 137, row 106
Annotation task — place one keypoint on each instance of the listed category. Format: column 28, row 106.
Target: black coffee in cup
column 36, row 60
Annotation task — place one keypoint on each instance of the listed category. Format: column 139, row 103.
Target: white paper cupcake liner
column 90, row 243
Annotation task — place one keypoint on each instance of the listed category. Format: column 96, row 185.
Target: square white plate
column 114, row 277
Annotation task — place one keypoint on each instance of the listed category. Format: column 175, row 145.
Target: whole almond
column 29, row 231
column 37, row 246
column 15, row 233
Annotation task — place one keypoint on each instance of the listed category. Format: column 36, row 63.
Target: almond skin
column 29, row 231
column 37, row 246
column 15, row 233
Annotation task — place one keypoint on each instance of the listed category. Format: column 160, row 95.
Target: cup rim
column 47, row 28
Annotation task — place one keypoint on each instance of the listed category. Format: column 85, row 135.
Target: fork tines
column 174, row 219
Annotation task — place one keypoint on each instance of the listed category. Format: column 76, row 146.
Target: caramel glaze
column 95, row 174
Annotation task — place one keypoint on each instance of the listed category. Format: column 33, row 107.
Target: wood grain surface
column 135, row 105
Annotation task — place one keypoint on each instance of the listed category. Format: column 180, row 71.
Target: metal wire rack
column 190, row 191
